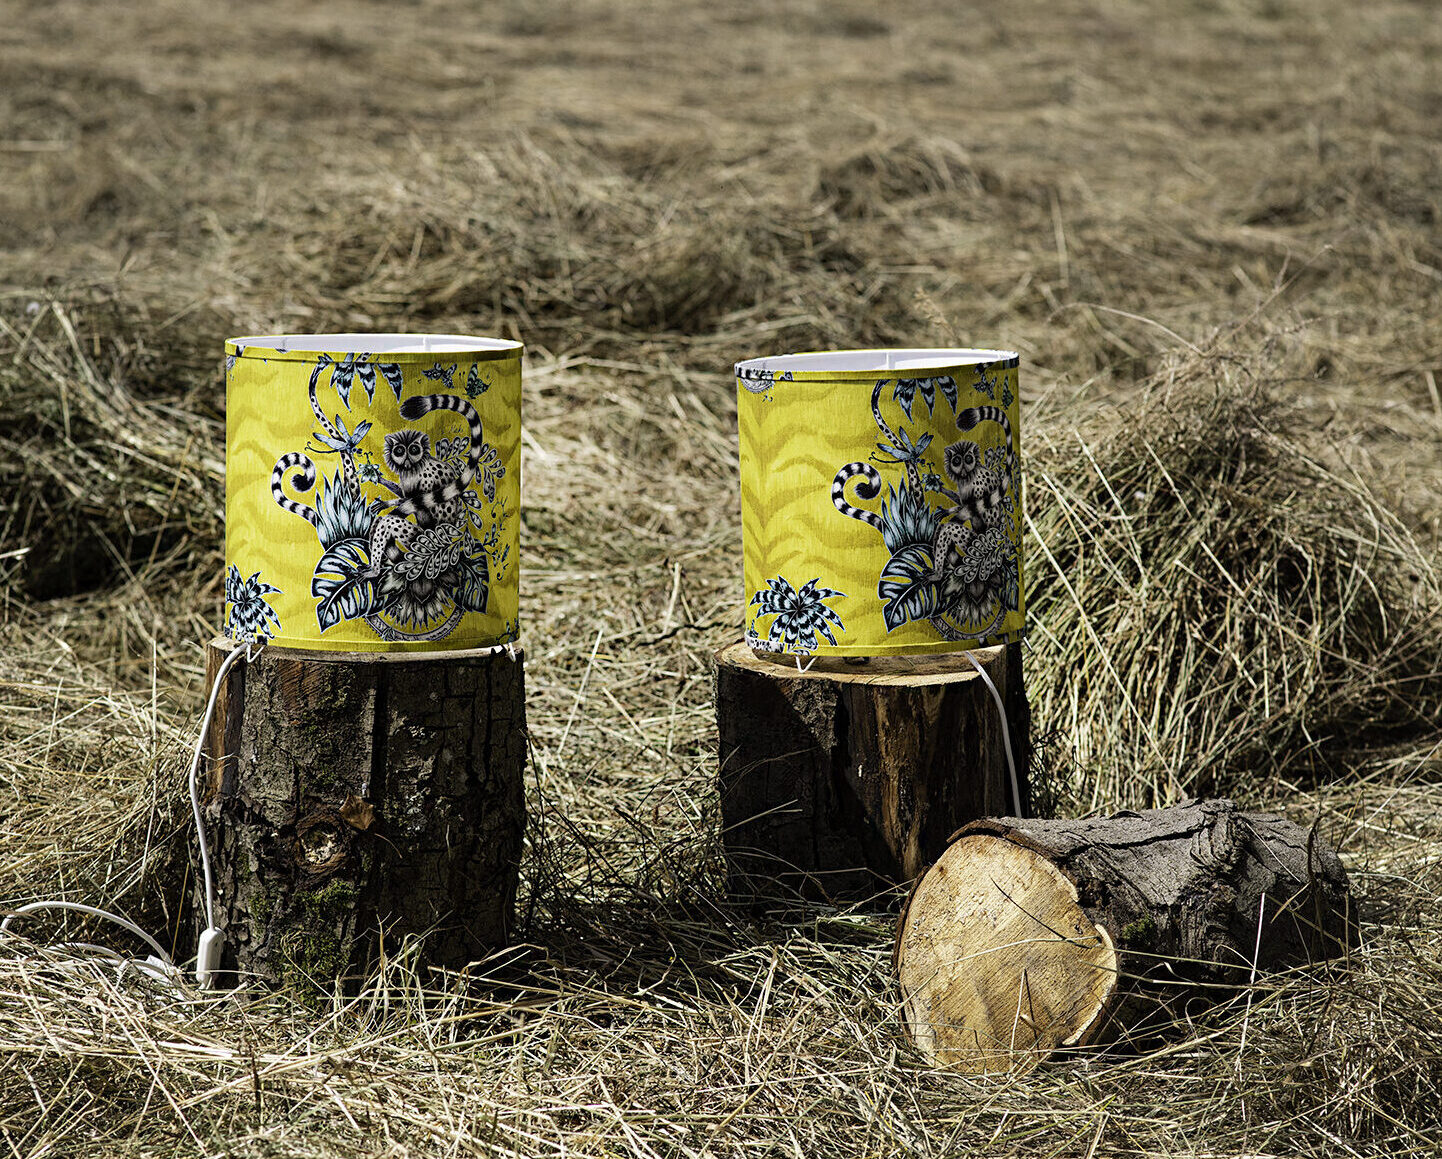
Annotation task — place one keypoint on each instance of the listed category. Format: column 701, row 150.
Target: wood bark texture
column 849, row 778
column 355, row 798
column 1028, row 936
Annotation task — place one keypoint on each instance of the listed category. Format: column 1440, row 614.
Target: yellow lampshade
column 881, row 501
column 372, row 491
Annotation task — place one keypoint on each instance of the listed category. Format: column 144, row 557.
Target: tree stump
column 1029, row 936
column 356, row 798
column 847, row 779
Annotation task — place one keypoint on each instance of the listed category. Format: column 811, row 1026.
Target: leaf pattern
column 907, row 389
column 906, row 588
column 391, row 372
column 344, row 593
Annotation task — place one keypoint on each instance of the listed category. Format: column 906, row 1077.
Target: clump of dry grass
column 114, row 472
column 1214, row 595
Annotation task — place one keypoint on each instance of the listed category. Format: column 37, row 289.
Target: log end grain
column 999, row 964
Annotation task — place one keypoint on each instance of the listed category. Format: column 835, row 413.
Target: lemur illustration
column 981, row 488
column 427, row 488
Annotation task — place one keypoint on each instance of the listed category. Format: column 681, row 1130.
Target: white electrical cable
column 76, row 906
column 207, row 953
column 235, row 654
column 1005, row 731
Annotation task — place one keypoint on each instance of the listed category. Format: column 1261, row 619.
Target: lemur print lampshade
column 372, row 491
column 881, row 501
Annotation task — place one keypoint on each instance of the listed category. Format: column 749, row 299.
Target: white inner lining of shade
column 879, row 361
column 377, row 343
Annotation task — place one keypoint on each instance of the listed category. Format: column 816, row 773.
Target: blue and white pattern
column 955, row 563
column 249, row 617
column 761, row 381
column 415, row 553
column 799, row 614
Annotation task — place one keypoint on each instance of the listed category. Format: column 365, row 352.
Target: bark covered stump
column 1029, row 936
column 847, row 779
column 356, row 798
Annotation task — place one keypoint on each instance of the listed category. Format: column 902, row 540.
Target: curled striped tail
column 302, row 480
column 972, row 415
column 423, row 404
column 868, row 488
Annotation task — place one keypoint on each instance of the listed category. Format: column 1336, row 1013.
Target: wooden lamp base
column 353, row 799
column 848, row 779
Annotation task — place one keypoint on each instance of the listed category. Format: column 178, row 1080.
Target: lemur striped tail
column 868, row 488
column 972, row 415
column 302, row 480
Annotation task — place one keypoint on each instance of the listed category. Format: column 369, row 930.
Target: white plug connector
column 207, row 957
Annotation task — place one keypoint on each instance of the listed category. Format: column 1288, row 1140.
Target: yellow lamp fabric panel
column 881, row 515
column 372, row 501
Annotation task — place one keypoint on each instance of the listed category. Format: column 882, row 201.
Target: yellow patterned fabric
column 881, row 509
column 372, row 498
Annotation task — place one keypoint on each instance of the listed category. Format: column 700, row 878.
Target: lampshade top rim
column 870, row 363
column 396, row 347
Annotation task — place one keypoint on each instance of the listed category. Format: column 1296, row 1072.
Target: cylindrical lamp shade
column 372, row 491
column 881, row 501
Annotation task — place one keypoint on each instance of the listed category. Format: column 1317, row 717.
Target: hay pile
column 1218, row 601
column 1223, row 293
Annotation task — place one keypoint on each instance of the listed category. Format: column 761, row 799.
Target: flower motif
column 984, row 581
column 420, row 602
column 903, row 450
column 800, row 614
column 761, row 381
column 248, row 615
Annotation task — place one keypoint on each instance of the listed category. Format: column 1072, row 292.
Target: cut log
column 848, row 779
column 356, row 798
column 1029, row 936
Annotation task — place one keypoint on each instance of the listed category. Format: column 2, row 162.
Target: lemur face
column 962, row 460
column 406, row 450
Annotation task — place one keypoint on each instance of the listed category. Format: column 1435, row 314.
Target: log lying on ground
column 355, row 798
column 847, row 779
column 1028, row 936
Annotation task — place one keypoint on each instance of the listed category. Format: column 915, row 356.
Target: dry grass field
column 1213, row 228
